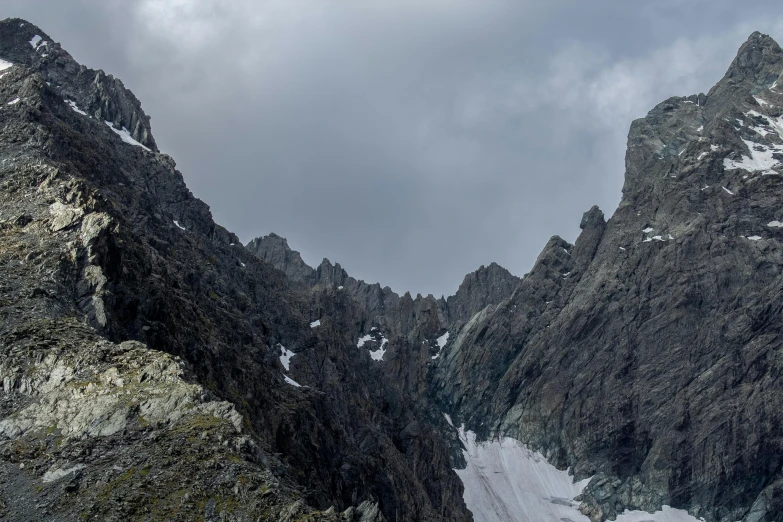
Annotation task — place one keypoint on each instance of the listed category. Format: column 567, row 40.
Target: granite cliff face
column 647, row 355
column 153, row 368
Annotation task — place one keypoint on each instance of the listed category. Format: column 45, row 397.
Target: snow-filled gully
column 507, row 482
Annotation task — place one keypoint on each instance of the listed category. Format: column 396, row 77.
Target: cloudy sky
column 409, row 140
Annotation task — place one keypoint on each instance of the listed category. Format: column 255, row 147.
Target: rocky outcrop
column 102, row 96
column 487, row 285
column 645, row 355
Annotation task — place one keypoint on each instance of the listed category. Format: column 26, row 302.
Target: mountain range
column 154, row 368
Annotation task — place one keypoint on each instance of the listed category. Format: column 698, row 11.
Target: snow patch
column 292, row 382
column 125, row 135
column 285, row 358
column 315, row 324
column 754, row 238
column 362, row 340
column 448, row 419
column 340, row 287
column 377, row 355
column 727, row 190
column 775, row 224
column 761, row 102
column 442, row 340
column 72, row 105
column 5, row 65
column 701, row 156
column 504, row 480
column 14, row 101
column 648, row 230
column 178, row 225
column 701, row 128
column 35, row 40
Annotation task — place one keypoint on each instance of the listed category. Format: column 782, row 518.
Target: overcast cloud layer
column 410, row 141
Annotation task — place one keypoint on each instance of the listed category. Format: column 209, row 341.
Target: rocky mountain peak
column 88, row 91
column 759, row 60
column 275, row 250
column 488, row 285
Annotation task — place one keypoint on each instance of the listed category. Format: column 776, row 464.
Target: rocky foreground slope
column 153, row 368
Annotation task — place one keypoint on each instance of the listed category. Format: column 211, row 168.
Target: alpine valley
column 154, row 368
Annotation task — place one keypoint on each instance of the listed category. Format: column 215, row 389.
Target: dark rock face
column 486, row 286
column 154, row 368
column 159, row 336
column 647, row 353
column 102, row 96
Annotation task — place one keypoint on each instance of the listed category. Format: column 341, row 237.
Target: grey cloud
column 409, row 141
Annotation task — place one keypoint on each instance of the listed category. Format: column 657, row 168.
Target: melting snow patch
column 285, row 359
column 728, row 191
column 775, row 224
column 178, row 225
column 442, row 340
column 35, row 40
column 648, row 230
column 448, row 419
column 315, row 324
column 125, row 135
column 701, row 128
column 72, row 105
column 292, row 382
column 504, row 480
column 760, row 101
column 14, row 101
column 4, row 65
column 377, row 355
column 362, row 340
